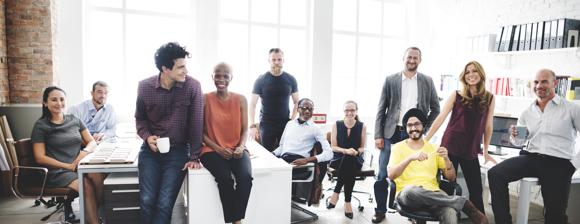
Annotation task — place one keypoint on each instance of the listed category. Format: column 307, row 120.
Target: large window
column 121, row 39
column 369, row 37
column 249, row 28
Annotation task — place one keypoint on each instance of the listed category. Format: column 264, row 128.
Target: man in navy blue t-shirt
column 274, row 88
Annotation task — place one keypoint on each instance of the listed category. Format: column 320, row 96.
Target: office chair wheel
column 361, row 208
column 370, row 200
column 36, row 203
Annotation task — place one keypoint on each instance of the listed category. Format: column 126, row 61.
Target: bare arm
column 396, row 170
column 42, row 159
column 334, row 141
column 363, row 140
column 441, row 117
column 244, row 110
column 488, row 131
column 295, row 98
column 253, row 103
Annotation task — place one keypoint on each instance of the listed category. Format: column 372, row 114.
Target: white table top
column 262, row 161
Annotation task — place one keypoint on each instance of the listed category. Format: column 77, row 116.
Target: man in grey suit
column 401, row 91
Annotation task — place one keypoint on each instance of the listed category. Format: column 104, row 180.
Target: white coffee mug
column 163, row 144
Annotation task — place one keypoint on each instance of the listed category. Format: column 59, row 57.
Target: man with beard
column 97, row 115
column 552, row 123
column 274, row 89
column 413, row 166
column 401, row 91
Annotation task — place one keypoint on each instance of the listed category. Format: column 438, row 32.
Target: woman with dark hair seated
column 348, row 143
column 225, row 153
column 57, row 141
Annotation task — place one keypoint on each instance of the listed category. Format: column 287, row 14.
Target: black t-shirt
column 275, row 92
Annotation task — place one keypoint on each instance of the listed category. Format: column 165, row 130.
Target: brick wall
column 29, row 51
column 4, row 96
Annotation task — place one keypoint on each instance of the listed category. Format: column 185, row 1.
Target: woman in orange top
column 224, row 152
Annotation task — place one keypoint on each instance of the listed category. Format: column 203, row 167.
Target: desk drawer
column 122, row 215
column 121, row 198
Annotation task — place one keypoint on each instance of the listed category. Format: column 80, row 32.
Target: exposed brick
column 29, row 48
column 4, row 82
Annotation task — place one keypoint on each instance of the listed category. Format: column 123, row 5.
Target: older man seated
column 413, row 166
column 299, row 137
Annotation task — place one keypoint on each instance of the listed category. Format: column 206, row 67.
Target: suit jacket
column 390, row 103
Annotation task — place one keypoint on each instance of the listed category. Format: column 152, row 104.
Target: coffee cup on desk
column 163, row 144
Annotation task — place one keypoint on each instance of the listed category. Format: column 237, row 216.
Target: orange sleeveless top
column 223, row 120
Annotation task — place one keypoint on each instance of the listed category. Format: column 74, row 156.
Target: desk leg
column 81, row 197
column 523, row 202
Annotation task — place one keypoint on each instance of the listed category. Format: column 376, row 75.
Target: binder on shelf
column 516, row 38
column 553, row 33
column 546, row 44
column 533, row 36
column 540, row 36
column 567, row 33
column 506, row 39
column 522, row 43
column 528, row 40
column 498, row 39
column 573, row 38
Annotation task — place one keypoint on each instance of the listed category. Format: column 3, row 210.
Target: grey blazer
column 390, row 103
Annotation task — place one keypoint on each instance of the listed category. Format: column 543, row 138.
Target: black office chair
column 304, row 176
column 28, row 181
column 361, row 175
column 421, row 216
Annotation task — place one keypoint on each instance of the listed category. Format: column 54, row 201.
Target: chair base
column 360, row 207
column 311, row 216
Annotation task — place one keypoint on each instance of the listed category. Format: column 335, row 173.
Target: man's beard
column 276, row 69
column 415, row 137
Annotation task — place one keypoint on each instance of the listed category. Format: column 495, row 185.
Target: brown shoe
column 474, row 214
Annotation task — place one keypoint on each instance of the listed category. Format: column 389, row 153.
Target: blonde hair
column 483, row 95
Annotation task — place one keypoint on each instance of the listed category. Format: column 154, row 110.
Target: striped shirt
column 176, row 113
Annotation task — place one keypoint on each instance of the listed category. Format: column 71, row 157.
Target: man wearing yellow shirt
column 413, row 166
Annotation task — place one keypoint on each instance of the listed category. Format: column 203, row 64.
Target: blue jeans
column 381, row 185
column 234, row 198
column 160, row 178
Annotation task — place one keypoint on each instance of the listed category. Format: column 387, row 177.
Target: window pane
column 234, row 9
column 368, row 92
column 293, row 43
column 343, row 56
column 233, row 49
column 369, row 57
column 265, row 11
column 262, row 39
column 342, row 89
column 393, row 52
column 395, row 19
column 344, row 15
column 167, row 6
column 107, row 3
column 293, row 12
column 370, row 16
column 104, row 54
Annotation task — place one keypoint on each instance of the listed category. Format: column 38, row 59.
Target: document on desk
column 119, row 152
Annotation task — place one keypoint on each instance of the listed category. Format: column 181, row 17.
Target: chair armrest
column 450, row 187
column 309, row 167
column 392, row 192
column 16, row 172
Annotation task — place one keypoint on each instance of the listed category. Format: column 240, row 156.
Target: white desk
column 269, row 200
column 134, row 143
column 526, row 184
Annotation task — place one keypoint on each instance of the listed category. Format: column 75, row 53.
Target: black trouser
column 471, row 171
column 234, row 200
column 270, row 133
column 346, row 168
column 554, row 176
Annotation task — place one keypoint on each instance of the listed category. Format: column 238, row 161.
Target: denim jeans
column 381, row 185
column 234, row 199
column 160, row 178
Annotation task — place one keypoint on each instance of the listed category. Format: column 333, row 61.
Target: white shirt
column 101, row 121
column 409, row 95
column 552, row 132
column 300, row 138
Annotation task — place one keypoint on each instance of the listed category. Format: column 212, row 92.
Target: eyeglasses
column 307, row 108
column 350, row 110
column 416, row 125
